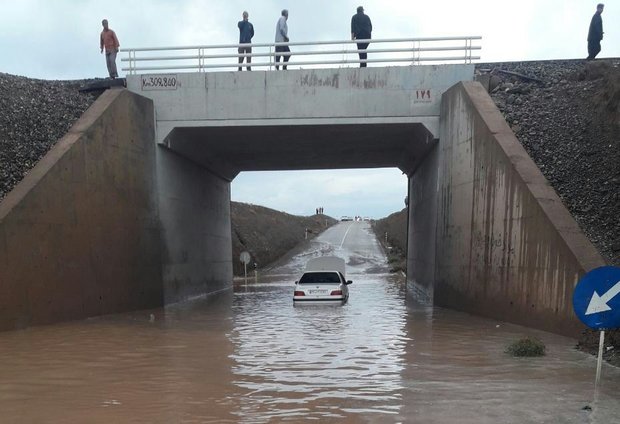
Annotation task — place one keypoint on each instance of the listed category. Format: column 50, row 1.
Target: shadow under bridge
column 226, row 151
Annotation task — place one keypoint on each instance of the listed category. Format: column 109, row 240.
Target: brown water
column 250, row 356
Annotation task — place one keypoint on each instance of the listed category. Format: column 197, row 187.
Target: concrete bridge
column 132, row 208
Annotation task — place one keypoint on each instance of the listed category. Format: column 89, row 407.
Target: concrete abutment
column 110, row 222
column 505, row 245
column 80, row 234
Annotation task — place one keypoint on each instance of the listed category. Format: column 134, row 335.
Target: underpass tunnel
column 226, row 151
column 201, row 162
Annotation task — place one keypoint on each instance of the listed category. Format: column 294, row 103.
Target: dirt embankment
column 391, row 232
column 268, row 234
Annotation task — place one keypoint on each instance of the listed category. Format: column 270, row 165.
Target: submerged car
column 323, row 282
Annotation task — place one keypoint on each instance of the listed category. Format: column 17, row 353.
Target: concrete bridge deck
column 301, row 119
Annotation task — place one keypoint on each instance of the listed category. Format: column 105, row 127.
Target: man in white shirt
column 282, row 37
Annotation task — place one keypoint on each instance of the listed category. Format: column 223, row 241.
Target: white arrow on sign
column 599, row 303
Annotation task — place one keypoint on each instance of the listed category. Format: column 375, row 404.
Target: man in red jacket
column 109, row 41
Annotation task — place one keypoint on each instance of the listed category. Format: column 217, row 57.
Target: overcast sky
column 59, row 39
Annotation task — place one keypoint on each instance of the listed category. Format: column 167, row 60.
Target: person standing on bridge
column 361, row 29
column 282, row 37
column 246, row 32
column 109, row 41
column 595, row 33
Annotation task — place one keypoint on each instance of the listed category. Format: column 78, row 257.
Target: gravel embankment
column 569, row 123
column 34, row 115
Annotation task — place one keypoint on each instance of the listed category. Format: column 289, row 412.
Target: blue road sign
column 596, row 299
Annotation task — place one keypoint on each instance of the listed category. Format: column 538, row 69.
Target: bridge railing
column 316, row 54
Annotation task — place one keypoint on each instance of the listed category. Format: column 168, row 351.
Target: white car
column 323, row 282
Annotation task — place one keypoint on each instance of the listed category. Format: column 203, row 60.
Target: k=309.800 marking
column 159, row 82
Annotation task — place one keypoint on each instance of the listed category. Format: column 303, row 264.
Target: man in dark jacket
column 246, row 32
column 361, row 28
column 595, row 33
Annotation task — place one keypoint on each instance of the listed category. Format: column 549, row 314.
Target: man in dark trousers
column 246, row 32
column 595, row 33
column 361, row 28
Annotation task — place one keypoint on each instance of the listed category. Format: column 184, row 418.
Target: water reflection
column 324, row 361
column 249, row 356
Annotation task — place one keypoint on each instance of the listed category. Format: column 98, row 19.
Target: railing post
column 468, row 50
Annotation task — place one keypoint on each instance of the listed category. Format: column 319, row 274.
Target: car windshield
column 320, row 278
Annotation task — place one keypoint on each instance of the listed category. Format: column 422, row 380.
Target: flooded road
column 250, row 356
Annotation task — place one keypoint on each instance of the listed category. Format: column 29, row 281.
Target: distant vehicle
column 323, row 282
column 366, row 218
column 346, row 218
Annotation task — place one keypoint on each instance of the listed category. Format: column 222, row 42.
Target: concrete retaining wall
column 194, row 208
column 80, row 235
column 110, row 222
column 422, row 225
column 506, row 246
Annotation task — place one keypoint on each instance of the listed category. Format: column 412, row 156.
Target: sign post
column 244, row 257
column 596, row 301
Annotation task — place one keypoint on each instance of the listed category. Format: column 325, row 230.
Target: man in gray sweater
column 282, row 37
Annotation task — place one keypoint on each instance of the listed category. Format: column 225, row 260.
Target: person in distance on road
column 595, row 33
column 109, row 41
column 361, row 29
column 282, row 37
column 246, row 32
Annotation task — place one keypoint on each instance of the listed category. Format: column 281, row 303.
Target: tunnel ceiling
column 228, row 150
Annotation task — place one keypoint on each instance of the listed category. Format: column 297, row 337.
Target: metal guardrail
column 410, row 51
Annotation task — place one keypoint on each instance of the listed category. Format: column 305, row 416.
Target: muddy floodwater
column 249, row 355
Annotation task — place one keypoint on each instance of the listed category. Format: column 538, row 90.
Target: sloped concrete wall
column 80, row 235
column 507, row 247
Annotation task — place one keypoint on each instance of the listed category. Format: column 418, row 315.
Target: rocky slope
column 566, row 114
column 34, row 114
